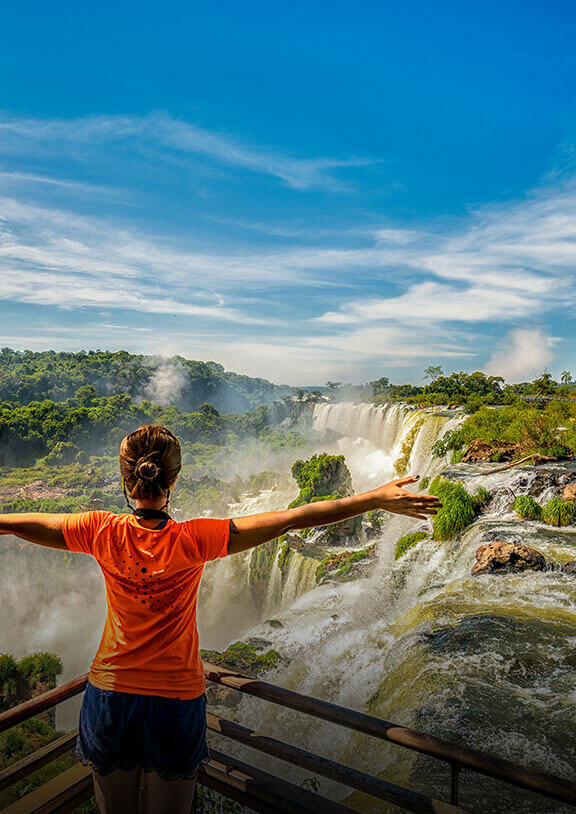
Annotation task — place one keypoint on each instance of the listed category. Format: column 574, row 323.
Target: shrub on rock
column 459, row 508
column 559, row 512
column 527, row 508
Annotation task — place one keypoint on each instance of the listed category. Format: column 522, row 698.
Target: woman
column 142, row 723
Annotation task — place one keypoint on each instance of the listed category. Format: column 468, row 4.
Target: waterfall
column 483, row 660
column 381, row 442
column 301, row 577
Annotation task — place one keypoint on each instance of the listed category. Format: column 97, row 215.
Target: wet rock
column 570, row 568
column 569, row 492
column 274, row 623
column 551, row 479
column 509, row 557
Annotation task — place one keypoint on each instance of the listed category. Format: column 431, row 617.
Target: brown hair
column 150, row 460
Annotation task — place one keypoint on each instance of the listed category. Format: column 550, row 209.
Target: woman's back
column 150, row 641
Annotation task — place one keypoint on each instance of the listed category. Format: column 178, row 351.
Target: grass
column 559, row 512
column 243, row 657
column 527, row 508
column 459, row 507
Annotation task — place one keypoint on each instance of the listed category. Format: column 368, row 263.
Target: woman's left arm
column 256, row 529
column 43, row 529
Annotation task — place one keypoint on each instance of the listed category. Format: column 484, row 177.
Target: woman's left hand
column 392, row 497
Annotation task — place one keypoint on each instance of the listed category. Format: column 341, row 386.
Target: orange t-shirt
column 150, row 641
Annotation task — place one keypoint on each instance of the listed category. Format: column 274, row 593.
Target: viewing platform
column 263, row 792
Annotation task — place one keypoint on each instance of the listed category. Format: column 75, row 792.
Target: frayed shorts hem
column 130, row 766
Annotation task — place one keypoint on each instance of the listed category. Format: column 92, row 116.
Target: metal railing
column 264, row 792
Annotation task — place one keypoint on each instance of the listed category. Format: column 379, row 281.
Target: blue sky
column 301, row 191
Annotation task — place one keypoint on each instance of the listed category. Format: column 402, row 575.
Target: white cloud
column 173, row 136
column 523, row 354
column 435, row 302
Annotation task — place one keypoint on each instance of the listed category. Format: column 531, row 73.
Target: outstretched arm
column 255, row 529
column 44, row 529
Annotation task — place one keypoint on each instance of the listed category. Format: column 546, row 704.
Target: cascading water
column 385, row 441
column 486, row 661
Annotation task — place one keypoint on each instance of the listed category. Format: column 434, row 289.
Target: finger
column 408, row 479
column 415, row 514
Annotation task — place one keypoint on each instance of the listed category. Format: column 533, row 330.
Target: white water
column 374, row 439
column 487, row 661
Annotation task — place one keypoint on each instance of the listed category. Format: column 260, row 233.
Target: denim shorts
column 120, row 730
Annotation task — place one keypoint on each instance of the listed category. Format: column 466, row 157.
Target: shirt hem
column 184, row 694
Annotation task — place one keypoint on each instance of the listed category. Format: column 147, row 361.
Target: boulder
column 570, row 568
column 510, row 557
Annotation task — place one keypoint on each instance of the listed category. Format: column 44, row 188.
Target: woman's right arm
column 43, row 529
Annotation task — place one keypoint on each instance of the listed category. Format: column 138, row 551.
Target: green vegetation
column 321, row 476
column 339, row 565
column 459, row 508
column 407, row 542
column 19, row 742
column 325, row 477
column 524, row 428
column 468, row 390
column 559, row 512
column 527, row 508
column 20, row 680
column 481, row 498
column 27, row 376
column 244, row 658
column 66, row 432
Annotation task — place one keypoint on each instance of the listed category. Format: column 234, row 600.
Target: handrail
column 42, row 702
column 453, row 754
column 456, row 756
column 411, row 800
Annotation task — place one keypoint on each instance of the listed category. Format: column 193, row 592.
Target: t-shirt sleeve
column 80, row 530
column 208, row 538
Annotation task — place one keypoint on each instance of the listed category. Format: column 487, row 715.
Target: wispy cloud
column 172, row 136
column 392, row 296
column 508, row 262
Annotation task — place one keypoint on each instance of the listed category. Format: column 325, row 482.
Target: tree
column 433, row 372
column 544, row 384
column 566, row 377
column 380, row 385
column 333, row 388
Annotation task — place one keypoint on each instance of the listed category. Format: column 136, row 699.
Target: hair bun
column 147, row 470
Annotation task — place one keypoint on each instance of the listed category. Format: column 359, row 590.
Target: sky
column 303, row 191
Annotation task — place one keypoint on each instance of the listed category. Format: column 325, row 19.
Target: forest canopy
column 27, row 376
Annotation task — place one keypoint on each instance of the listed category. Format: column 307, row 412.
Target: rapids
column 487, row 661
